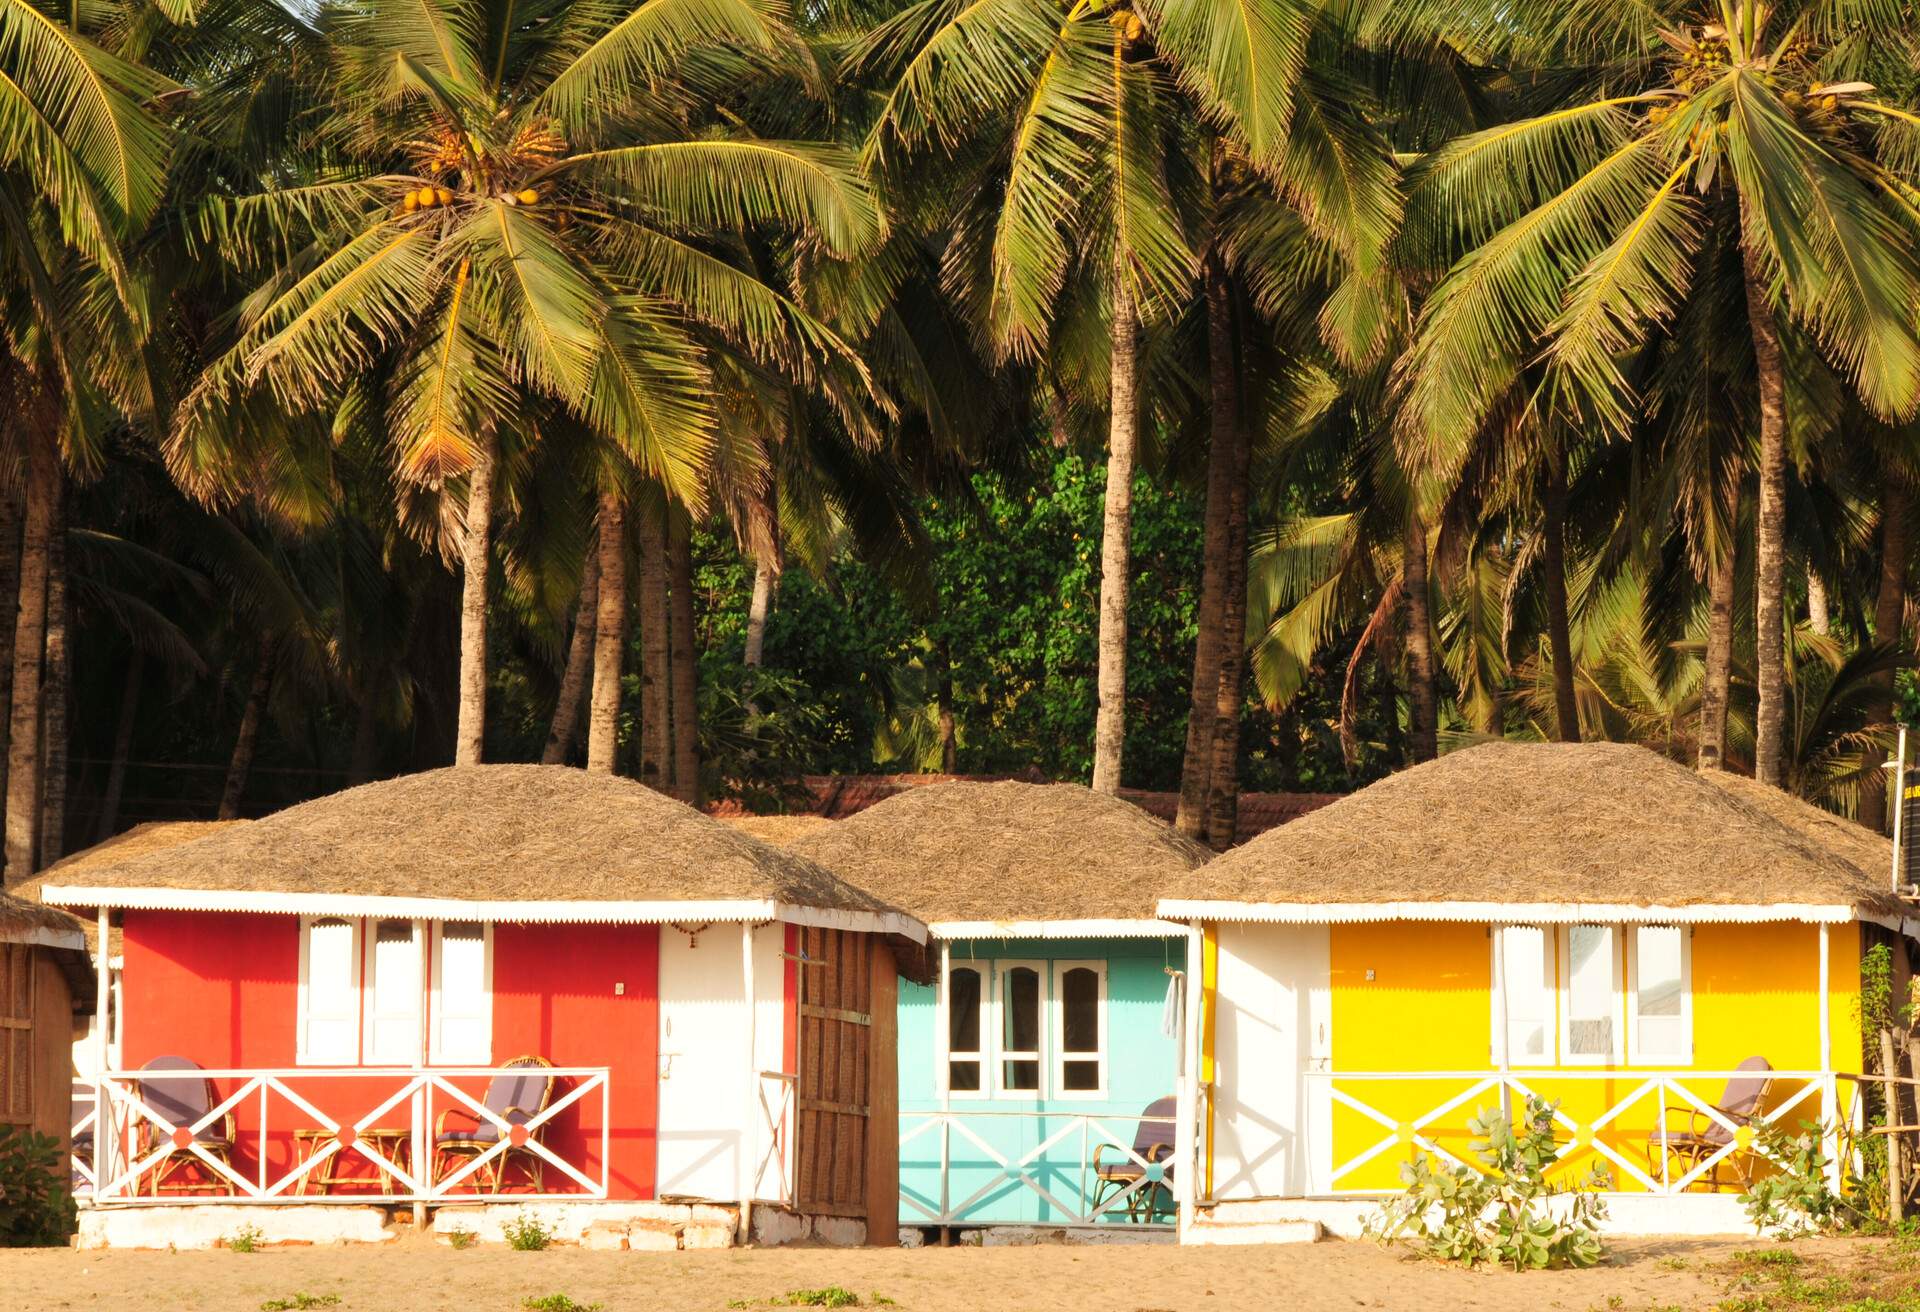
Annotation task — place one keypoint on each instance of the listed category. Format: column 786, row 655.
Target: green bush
column 525, row 1234
column 556, row 1303
column 1499, row 1214
column 36, row 1206
column 1796, row 1199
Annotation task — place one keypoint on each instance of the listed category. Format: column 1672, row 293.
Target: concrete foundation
column 218, row 1225
column 1299, row 1220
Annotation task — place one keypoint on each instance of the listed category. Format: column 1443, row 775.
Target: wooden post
column 883, row 1101
column 1890, row 1074
column 103, row 1145
column 1829, row 1092
column 1186, row 1130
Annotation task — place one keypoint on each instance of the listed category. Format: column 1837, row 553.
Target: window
column 365, row 996
column 1660, row 997
column 462, row 1000
column 395, row 990
column 1590, row 982
column 964, row 1005
column 1019, row 998
column 1080, row 1029
column 329, row 1000
column 1526, row 975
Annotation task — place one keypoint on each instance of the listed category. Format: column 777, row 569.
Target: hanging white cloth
column 1173, row 1010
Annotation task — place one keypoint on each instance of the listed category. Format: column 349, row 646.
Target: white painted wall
column 702, row 1050
column 1271, row 1128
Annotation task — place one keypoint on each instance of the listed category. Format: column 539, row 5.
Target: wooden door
column 833, row 1105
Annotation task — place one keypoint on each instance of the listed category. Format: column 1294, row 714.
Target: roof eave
column 558, row 912
column 44, row 936
column 1056, row 929
column 1552, row 913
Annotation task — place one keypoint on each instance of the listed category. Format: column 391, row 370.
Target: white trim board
column 752, row 910
column 1539, row 913
column 957, row 929
column 39, row 936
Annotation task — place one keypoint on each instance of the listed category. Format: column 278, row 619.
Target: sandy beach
column 412, row 1276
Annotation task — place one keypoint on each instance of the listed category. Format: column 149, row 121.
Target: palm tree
column 506, row 215
column 1062, row 134
column 1586, row 229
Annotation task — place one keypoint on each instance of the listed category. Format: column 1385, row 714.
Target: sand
column 412, row 1275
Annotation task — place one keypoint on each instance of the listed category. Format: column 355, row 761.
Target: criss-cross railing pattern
column 1810, row 1096
column 132, row 1140
column 1068, row 1144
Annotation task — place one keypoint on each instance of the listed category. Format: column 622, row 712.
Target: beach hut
column 1673, row 957
column 46, row 985
column 1038, row 1071
column 489, row 990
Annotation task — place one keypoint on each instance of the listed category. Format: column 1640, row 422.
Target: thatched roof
column 154, row 836
column 498, row 835
column 18, row 914
column 1007, row 852
column 1594, row 825
column 780, row 830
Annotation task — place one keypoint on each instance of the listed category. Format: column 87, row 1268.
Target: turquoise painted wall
column 1141, row 1068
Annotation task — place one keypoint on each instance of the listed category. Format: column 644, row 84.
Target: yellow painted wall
column 1428, row 1007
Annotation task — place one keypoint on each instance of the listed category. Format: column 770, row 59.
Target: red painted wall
column 553, row 994
column 222, row 989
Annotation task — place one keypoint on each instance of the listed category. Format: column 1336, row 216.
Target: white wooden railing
column 1068, row 1142
column 1630, row 1119
column 282, row 1138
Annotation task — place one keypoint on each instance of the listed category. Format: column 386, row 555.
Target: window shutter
column 330, row 992
column 462, row 994
column 395, row 991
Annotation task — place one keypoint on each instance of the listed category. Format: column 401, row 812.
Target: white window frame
column 303, row 1055
column 1636, row 1054
column 369, row 991
column 1002, row 967
column 982, row 1054
column 1617, row 1001
column 437, row 1054
column 1550, row 980
column 1058, row 1012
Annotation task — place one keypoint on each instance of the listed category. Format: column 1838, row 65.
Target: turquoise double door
column 1025, row 1068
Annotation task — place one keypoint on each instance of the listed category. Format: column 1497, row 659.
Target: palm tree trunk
column 684, row 685
column 55, row 692
column 248, row 737
column 366, row 741
column 1223, row 779
column 1819, row 608
column 475, row 555
column 29, row 644
column 1889, row 617
column 1210, row 641
column 609, row 635
column 949, row 730
column 1110, row 719
column 12, row 516
column 1422, row 700
column 109, row 820
column 1769, row 765
column 1566, row 709
column 580, row 654
column 758, row 608
column 1717, row 681
column 656, row 739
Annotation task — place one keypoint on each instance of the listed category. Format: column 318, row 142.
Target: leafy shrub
column 831, row 1296
column 525, row 1234
column 36, row 1208
column 246, row 1239
column 556, row 1303
column 461, row 1240
column 1500, row 1214
column 300, row 1302
column 1796, row 1199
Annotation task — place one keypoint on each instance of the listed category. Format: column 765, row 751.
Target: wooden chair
column 517, row 1094
column 1152, row 1142
column 1683, row 1147
column 184, row 1102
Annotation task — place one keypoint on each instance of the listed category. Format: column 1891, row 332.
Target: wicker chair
column 517, row 1094
column 184, row 1102
column 1152, row 1142
column 1681, row 1148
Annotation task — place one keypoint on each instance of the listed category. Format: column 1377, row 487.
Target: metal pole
column 748, row 1156
column 1899, row 803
